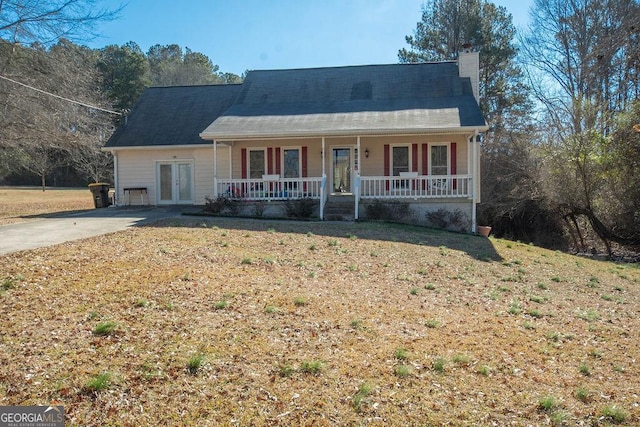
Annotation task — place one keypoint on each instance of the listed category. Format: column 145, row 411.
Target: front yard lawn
column 244, row 322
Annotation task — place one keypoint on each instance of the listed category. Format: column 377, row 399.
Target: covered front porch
column 367, row 168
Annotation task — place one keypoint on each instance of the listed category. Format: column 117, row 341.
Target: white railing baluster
column 370, row 187
column 420, row 187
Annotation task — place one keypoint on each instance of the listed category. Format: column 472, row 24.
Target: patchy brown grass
column 18, row 204
column 322, row 324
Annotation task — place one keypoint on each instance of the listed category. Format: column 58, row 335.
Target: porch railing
column 277, row 189
column 418, row 187
column 374, row 187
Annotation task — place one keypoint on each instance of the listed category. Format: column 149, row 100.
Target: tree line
column 60, row 101
column 560, row 162
column 49, row 127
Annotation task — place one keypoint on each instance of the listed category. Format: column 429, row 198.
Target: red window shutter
column 278, row 164
column 387, row 162
column 425, row 159
column 304, row 162
column 270, row 160
column 243, row 161
column 414, row 158
column 454, row 163
column 425, row 163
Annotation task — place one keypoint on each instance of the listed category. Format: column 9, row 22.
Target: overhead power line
column 61, row 97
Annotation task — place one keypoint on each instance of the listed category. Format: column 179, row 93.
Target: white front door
column 175, row 183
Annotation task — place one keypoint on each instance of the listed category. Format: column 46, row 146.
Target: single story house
column 347, row 136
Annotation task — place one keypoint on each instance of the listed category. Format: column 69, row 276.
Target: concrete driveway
column 47, row 230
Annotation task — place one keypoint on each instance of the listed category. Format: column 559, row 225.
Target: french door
column 175, row 183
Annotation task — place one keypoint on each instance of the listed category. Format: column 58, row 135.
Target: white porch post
column 323, row 183
column 474, row 179
column 357, row 198
column 323, row 158
column 215, row 169
column 230, row 146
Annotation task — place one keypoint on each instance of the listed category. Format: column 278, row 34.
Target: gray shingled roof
column 173, row 115
column 373, row 99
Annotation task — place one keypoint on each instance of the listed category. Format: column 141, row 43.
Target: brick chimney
column 469, row 66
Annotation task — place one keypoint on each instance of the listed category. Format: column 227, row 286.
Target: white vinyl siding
column 137, row 168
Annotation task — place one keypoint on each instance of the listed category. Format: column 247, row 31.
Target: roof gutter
column 156, row 147
column 335, row 133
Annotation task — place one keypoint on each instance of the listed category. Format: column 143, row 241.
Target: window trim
column 409, row 157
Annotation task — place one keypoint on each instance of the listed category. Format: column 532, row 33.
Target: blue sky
column 272, row 34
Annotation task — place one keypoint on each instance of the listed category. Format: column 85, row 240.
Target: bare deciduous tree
column 586, row 55
column 47, row 21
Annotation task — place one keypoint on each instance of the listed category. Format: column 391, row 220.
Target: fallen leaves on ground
column 317, row 320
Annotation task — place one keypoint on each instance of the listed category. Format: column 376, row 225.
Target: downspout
column 474, row 182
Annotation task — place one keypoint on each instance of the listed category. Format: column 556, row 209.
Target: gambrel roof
column 332, row 101
column 357, row 100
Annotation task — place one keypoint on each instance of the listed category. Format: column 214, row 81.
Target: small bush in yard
column 9, row 283
column 484, row 370
column 584, row 370
column 220, row 305
column 104, row 328
column 270, row 309
column 548, row 403
column 432, row 323
column 286, row 370
column 402, row 371
column 363, row 391
column 99, row 382
column 313, row 367
column 461, row 359
column 300, row 208
column 388, row 211
column 439, row 364
column 615, row 414
column 449, row 220
column 401, row 354
column 195, row 363
column 582, row 394
column 222, row 205
column 141, row 302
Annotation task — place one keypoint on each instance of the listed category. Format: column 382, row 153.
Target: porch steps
column 340, row 208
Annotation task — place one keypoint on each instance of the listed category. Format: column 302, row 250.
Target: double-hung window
column 291, row 163
column 257, row 163
column 291, row 167
column 400, row 162
column 439, row 160
column 439, row 166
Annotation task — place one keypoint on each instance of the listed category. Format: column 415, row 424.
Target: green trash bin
column 100, row 192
